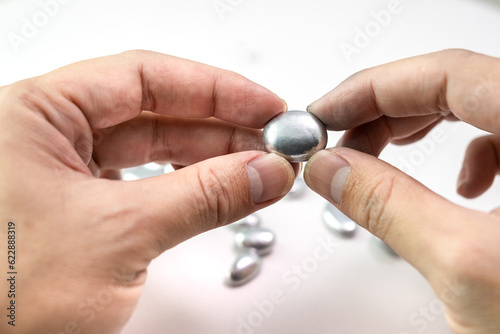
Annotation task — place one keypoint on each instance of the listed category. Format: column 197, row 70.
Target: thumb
column 410, row 218
column 209, row 194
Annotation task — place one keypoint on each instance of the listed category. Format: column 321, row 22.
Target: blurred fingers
column 180, row 141
column 372, row 137
column 480, row 166
column 458, row 81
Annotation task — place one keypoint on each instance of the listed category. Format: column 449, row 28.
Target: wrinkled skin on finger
column 456, row 249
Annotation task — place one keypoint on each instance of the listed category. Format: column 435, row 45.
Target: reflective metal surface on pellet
column 258, row 239
column 295, row 135
column 246, row 267
column 338, row 222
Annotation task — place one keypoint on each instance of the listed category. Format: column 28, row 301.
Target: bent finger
column 459, row 81
column 114, row 89
column 372, row 137
column 417, row 135
column 207, row 195
column 481, row 165
column 181, row 141
column 110, row 174
column 410, row 218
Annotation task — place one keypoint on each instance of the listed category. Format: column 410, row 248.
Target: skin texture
column 456, row 249
column 84, row 242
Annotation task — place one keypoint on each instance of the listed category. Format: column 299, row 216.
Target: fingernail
column 326, row 174
column 286, row 105
column 310, row 108
column 462, row 179
column 297, row 169
column 270, row 176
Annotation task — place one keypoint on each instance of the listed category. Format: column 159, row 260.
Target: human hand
column 456, row 249
column 84, row 243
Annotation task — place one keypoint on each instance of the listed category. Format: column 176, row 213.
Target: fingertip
column 211, row 194
column 270, row 177
column 326, row 174
column 323, row 109
column 255, row 106
column 464, row 191
column 479, row 167
column 297, row 168
column 311, row 108
column 286, row 105
column 462, row 182
column 111, row 174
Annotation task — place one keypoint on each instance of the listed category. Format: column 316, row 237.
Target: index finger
column 114, row 89
column 460, row 81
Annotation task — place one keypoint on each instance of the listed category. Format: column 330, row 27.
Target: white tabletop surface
column 295, row 49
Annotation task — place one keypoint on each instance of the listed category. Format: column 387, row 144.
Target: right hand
column 456, row 249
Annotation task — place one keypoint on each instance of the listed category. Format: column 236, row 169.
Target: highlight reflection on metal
column 251, row 242
column 295, row 135
column 246, row 267
column 258, row 239
column 338, row 222
column 251, row 221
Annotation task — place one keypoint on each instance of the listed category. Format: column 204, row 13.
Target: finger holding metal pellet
column 295, row 135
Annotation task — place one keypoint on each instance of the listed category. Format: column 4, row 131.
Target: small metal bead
column 258, row 239
column 251, row 221
column 246, row 267
column 295, row 135
column 338, row 222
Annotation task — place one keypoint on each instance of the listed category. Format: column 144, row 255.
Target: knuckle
column 457, row 52
column 28, row 92
column 212, row 198
column 131, row 219
column 468, row 261
column 455, row 276
column 157, row 135
column 372, row 201
column 135, row 53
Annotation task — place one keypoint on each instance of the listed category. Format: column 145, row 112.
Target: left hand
column 84, row 243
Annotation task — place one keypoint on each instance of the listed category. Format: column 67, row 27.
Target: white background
column 293, row 48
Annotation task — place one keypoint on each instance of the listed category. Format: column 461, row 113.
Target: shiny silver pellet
column 258, row 239
column 295, row 135
column 251, row 221
column 246, row 267
column 338, row 222
column 298, row 189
